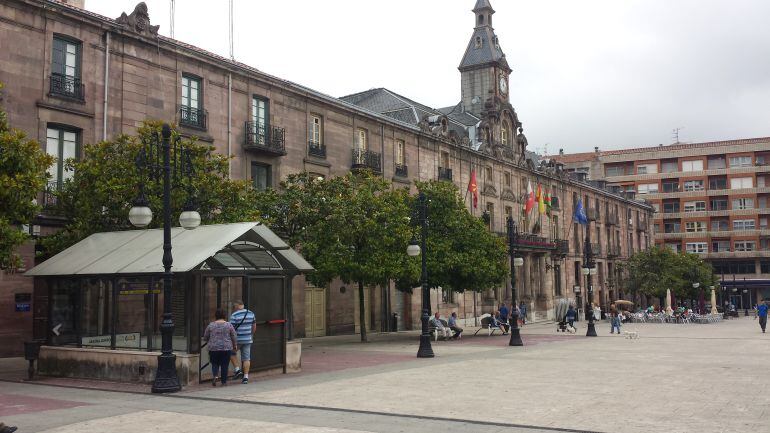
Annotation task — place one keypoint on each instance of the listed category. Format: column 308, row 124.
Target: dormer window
column 479, row 42
column 497, row 42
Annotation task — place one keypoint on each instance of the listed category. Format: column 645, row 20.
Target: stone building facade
column 711, row 199
column 74, row 77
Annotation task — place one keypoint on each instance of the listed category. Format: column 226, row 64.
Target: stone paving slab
column 15, row 404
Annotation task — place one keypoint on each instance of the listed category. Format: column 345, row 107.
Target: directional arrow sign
column 57, row 329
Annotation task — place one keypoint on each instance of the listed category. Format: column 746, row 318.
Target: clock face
column 503, row 85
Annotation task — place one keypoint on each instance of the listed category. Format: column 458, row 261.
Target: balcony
column 402, row 170
column 596, row 249
column 192, row 117
column 50, row 199
column 562, row 247
column 316, row 149
column 613, row 251
column 592, row 214
column 366, row 159
column 265, row 139
column 445, row 174
column 527, row 241
column 612, row 219
column 67, row 87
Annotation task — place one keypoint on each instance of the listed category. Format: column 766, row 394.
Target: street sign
column 57, row 329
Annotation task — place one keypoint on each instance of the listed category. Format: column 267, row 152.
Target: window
column 740, row 161
column 191, row 113
column 671, row 207
column 316, row 129
column 696, row 247
column 745, row 246
column 445, row 160
column 507, row 178
column 647, row 188
column 361, row 139
column 741, row 183
column 260, row 118
column 696, row 165
column 491, row 213
column 695, row 227
column 646, row 169
column 617, row 170
column 508, row 212
column 741, row 225
column 695, row 206
column 717, row 183
column 716, row 163
column 479, row 41
column 655, row 206
column 670, row 186
column 488, row 175
column 400, row 149
column 504, row 134
column 261, row 176
column 65, row 68
column 693, row 185
column 672, row 227
column 734, row 267
column 720, row 246
column 669, row 166
column 743, row 203
column 677, row 248
column 720, row 225
column 719, row 204
column 62, row 144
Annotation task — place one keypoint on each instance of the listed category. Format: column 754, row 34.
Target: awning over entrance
column 239, row 246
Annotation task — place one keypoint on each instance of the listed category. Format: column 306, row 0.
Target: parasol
column 669, row 311
column 623, row 302
column 714, row 302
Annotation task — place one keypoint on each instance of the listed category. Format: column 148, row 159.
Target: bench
column 486, row 323
column 434, row 331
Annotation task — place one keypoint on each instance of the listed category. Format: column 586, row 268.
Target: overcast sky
column 607, row 73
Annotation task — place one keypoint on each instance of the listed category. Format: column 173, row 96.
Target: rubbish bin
column 31, row 354
column 394, row 323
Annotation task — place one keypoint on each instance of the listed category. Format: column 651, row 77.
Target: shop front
column 98, row 304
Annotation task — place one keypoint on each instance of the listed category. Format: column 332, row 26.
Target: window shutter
column 58, row 56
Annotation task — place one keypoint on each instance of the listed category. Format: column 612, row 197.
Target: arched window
column 505, row 134
column 478, row 42
column 481, row 20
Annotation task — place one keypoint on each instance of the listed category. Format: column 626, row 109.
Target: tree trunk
column 362, row 312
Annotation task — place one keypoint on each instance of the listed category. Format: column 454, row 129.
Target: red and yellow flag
column 540, row 199
column 473, row 188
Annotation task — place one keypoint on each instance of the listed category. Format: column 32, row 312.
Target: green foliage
column 462, row 253
column 23, row 166
column 654, row 271
column 105, row 183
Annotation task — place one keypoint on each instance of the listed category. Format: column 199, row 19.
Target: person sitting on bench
column 453, row 326
column 495, row 322
column 441, row 330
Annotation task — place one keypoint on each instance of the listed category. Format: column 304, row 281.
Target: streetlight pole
column 588, row 270
column 166, row 377
column 425, row 350
column 515, row 261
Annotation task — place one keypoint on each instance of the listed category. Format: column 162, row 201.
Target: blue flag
column 580, row 213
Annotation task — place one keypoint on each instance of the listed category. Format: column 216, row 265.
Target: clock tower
column 484, row 70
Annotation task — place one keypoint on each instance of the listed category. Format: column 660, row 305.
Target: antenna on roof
column 232, row 53
column 172, row 13
column 675, row 134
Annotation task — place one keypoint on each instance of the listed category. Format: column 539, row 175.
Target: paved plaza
column 674, row 378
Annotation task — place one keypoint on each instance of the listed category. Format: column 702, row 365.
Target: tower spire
column 484, row 12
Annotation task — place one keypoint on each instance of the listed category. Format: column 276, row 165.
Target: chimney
column 77, row 3
column 596, row 149
column 561, row 151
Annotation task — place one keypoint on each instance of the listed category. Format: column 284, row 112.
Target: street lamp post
column 414, row 249
column 589, row 269
column 166, row 378
column 515, row 261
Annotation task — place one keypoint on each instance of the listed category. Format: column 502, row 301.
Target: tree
column 105, row 183
column 462, row 253
column 360, row 236
column 658, row 269
column 23, row 166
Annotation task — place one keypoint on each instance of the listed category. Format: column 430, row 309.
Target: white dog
column 631, row 335
column 571, row 330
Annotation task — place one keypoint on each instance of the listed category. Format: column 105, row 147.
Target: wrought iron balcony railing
column 402, row 170
column 192, row 117
column 596, row 249
column 562, row 246
column 444, row 173
column 266, row 139
column 366, row 159
column 613, row 251
column 68, row 87
column 612, row 219
column 50, row 197
column 316, row 149
column 592, row 214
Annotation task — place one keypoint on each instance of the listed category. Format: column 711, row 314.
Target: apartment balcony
column 612, row 219
column 562, row 247
column 50, row 199
column 316, row 149
column 714, row 234
column 704, row 193
column 596, row 249
column 712, row 213
column 592, row 214
column 402, row 170
column 67, row 87
column 367, row 160
column 613, row 251
column 445, row 174
column 676, row 174
column 192, row 117
column 761, row 253
column 266, row 139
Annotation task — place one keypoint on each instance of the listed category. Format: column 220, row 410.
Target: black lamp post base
column 591, row 332
column 166, row 379
column 515, row 331
column 425, row 350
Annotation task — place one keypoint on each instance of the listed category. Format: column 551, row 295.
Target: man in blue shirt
column 504, row 315
column 762, row 314
column 243, row 321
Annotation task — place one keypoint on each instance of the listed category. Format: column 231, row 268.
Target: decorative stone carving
column 508, row 195
column 138, row 21
column 489, row 190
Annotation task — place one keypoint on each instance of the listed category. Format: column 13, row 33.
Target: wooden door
column 315, row 311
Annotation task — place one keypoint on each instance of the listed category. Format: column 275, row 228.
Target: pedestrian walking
column 762, row 314
column 245, row 326
column 571, row 316
column 614, row 319
column 221, row 340
column 523, row 312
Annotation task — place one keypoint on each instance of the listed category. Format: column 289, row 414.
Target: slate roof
column 456, row 113
column 489, row 52
column 482, row 4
